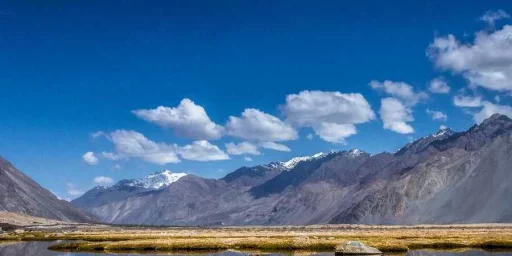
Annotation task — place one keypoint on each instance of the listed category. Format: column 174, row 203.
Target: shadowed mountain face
column 447, row 177
column 21, row 194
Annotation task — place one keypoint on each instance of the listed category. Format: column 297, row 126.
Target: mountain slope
column 21, row 194
column 447, row 177
column 465, row 181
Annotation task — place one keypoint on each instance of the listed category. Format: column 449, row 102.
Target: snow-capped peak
column 153, row 181
column 290, row 164
column 355, row 152
column 442, row 132
column 164, row 178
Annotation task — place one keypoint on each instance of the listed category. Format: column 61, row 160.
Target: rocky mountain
column 20, row 194
column 447, row 177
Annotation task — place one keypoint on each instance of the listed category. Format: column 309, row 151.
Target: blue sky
column 304, row 72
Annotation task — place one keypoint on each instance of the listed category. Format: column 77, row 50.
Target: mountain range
column 447, row 177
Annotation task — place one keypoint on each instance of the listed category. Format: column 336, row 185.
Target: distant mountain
column 447, row 177
column 20, row 194
column 123, row 189
column 153, row 181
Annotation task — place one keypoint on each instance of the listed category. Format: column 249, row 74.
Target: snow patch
column 160, row 179
column 290, row 164
column 355, row 153
column 441, row 132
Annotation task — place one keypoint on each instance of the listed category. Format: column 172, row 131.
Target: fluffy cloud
column 242, row 148
column 395, row 115
column 400, row 90
column 72, row 190
column 490, row 17
column 103, row 180
column 275, row 146
column 248, row 159
column 487, row 62
column 467, row 101
column 312, row 107
column 332, row 115
column 90, row 158
column 133, row 144
column 437, row 115
column 257, row 125
column 202, row 151
column 334, row 133
column 439, row 85
column 488, row 109
column 187, row 119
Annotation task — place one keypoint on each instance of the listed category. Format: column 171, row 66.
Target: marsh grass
column 394, row 240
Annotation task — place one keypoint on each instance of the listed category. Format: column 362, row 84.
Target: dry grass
column 314, row 238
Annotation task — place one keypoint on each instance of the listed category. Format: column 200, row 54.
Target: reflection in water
column 39, row 249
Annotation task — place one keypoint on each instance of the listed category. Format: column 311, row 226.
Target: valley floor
column 106, row 238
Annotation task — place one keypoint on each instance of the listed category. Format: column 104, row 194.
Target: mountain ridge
column 415, row 185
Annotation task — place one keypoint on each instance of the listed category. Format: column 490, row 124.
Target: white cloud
column 90, row 158
column 334, row 133
column 257, row 125
column 395, row 116
column 310, row 136
column 242, row 148
column 60, row 197
column 72, row 190
column 487, row 62
column 64, row 198
column 111, row 156
column 275, row 146
column 332, row 115
column 312, row 107
column 103, row 180
column 488, row 109
column 202, row 151
column 187, row 119
column 117, row 167
column 439, row 85
column 442, row 127
column 400, row 90
column 248, row 159
column 467, row 101
column 490, row 17
column 437, row 115
column 133, row 144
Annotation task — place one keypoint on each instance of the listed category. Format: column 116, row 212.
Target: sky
column 92, row 92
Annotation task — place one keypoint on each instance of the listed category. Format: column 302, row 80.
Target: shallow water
column 40, row 249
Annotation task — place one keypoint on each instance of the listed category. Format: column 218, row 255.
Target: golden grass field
column 288, row 238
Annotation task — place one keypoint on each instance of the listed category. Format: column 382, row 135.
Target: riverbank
column 288, row 238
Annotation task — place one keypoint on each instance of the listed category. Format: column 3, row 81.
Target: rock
column 356, row 248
